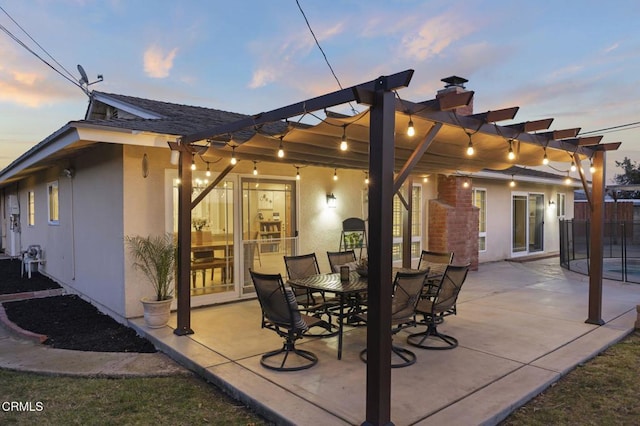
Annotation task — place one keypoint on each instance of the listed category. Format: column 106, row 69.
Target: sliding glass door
column 527, row 218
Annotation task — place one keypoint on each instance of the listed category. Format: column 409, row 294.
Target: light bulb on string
column 208, row 172
column 512, row 183
column 592, row 168
column 255, row 168
column 410, row 129
column 470, row 150
column 234, row 160
column 343, row 142
column 545, row 159
column 297, row 173
column 335, row 174
column 193, row 164
column 573, row 166
column 366, row 178
column 567, row 180
column 511, row 155
column 280, row 149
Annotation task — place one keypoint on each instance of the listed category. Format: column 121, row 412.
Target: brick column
column 453, row 221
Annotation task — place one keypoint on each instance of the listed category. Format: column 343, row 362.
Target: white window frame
column 53, row 203
column 482, row 217
column 31, row 206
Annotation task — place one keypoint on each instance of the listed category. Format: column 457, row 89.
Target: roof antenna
column 84, row 80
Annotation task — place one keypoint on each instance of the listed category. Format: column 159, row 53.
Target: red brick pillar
column 453, row 220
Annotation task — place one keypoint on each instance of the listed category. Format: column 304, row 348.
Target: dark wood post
column 183, row 287
column 596, row 240
column 381, row 163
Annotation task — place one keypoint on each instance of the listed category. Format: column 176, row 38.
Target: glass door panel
column 536, row 222
column 268, row 226
column 519, row 220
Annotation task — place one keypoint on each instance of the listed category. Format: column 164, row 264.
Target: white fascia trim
column 94, row 133
column 521, row 178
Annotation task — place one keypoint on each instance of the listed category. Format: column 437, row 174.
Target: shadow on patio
column 520, row 326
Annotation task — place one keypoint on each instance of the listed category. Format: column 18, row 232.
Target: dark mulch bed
column 69, row 321
column 11, row 282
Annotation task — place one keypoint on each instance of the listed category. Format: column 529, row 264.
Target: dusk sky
column 575, row 61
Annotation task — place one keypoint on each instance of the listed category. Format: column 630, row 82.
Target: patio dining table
column 332, row 283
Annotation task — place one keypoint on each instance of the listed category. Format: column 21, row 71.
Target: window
column 416, row 224
column 561, row 204
column 52, row 194
column 480, row 201
column 31, row 205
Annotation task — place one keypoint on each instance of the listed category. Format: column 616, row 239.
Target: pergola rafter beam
column 560, row 134
column 531, row 126
column 497, row 115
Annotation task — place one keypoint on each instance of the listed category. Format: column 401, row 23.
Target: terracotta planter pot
column 156, row 313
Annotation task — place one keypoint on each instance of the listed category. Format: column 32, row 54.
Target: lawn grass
column 132, row 401
column 603, row 391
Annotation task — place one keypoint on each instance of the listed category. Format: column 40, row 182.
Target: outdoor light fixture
column 512, row 184
column 331, row 201
column 193, row 164
column 552, row 204
column 335, row 174
column 297, row 173
column 175, row 157
column 410, row 129
column 592, row 169
column 208, row 173
column 511, row 155
column 255, row 168
column 234, row 161
column 465, row 184
column 280, row 149
column 343, row 143
column 545, row 159
column 573, row 166
column 470, row 149
column 425, row 179
column 366, row 178
column 567, row 180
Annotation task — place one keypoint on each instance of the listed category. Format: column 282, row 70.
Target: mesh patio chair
column 407, row 288
column 443, row 304
column 358, row 301
column 314, row 303
column 280, row 313
column 437, row 262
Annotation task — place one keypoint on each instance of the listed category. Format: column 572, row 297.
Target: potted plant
column 155, row 256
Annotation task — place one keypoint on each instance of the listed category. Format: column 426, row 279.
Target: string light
column 470, row 150
column 573, row 165
column 545, row 159
column 281, row 149
column 592, row 168
column 512, row 183
column 193, row 164
column 511, row 155
column 343, row 143
column 366, row 178
column 410, row 129
column 255, row 168
column 335, row 174
column 208, row 172
column 234, row 160
column 297, row 173
column 567, row 180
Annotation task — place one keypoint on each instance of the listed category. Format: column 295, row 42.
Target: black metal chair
column 407, row 288
column 437, row 262
column 313, row 303
column 357, row 302
column 280, row 313
column 443, row 304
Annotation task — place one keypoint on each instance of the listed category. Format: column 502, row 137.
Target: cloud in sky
column 157, row 63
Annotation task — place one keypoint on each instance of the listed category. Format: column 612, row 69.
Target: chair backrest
column 407, row 288
column 436, row 261
column 450, row 286
column 301, row 266
column 278, row 302
column 202, row 256
column 338, row 258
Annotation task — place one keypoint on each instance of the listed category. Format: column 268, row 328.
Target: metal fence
column 621, row 249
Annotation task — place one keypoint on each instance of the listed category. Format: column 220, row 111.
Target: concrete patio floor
column 520, row 327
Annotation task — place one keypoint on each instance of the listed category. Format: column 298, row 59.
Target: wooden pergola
column 378, row 144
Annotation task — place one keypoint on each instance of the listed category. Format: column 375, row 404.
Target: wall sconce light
column 552, row 204
column 175, row 157
column 331, row 201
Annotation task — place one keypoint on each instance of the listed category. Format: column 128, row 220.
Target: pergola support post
column 381, row 165
column 183, row 287
column 596, row 240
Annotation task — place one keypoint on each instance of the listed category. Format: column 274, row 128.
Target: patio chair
column 314, row 303
column 407, row 288
column 437, row 262
column 443, row 304
column 339, row 258
column 280, row 313
column 358, row 301
column 203, row 261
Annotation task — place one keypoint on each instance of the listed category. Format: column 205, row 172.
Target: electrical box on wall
column 14, row 207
